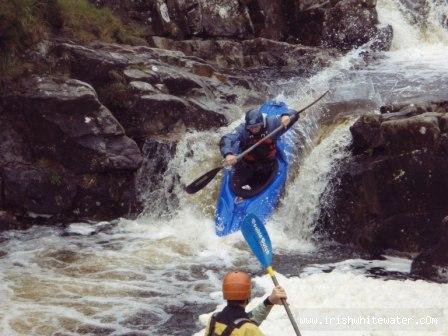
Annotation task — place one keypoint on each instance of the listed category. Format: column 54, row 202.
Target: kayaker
column 233, row 319
column 256, row 167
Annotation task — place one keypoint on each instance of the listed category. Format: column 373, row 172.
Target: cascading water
column 154, row 275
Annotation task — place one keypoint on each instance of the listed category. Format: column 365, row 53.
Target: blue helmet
column 254, row 118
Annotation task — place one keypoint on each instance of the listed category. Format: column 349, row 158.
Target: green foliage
column 85, row 22
column 21, row 27
column 23, row 23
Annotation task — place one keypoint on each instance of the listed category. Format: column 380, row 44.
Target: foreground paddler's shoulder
column 249, row 329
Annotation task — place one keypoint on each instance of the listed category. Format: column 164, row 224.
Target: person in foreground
column 257, row 166
column 233, row 319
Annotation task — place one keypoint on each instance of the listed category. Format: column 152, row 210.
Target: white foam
column 347, row 294
column 359, row 266
column 83, row 229
column 411, row 35
column 303, row 201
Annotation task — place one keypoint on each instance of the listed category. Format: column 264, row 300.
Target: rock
column 154, row 184
column 7, row 222
column 142, row 87
column 12, row 145
column 104, row 196
column 178, row 82
column 416, row 10
column 350, row 23
column 423, row 129
column 432, row 263
column 161, row 113
column 168, row 78
column 181, row 19
column 391, row 194
column 343, row 24
column 36, row 190
column 382, row 41
column 75, row 129
column 218, row 18
column 254, row 53
column 366, row 132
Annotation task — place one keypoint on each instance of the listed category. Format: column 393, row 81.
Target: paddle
column 259, row 242
column 203, row 180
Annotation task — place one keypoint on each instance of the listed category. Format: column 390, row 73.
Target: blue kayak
column 231, row 209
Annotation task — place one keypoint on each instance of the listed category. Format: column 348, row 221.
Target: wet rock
column 254, row 53
column 344, row 24
column 432, row 263
column 417, row 10
column 7, row 221
column 218, row 18
column 64, row 155
column 423, row 129
column 12, row 145
column 105, row 196
column 155, row 186
column 85, row 329
column 180, row 19
column 75, row 129
column 142, row 87
column 350, row 23
column 366, row 132
column 159, row 88
column 382, row 41
column 160, row 113
column 36, row 190
column 391, row 194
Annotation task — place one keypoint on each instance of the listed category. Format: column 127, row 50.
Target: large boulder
column 106, row 196
column 64, row 156
column 36, row 190
column 7, row 221
column 68, row 124
column 391, row 194
column 155, row 114
column 432, row 263
column 350, row 23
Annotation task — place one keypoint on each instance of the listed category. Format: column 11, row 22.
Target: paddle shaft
column 203, row 180
column 285, row 304
column 251, row 148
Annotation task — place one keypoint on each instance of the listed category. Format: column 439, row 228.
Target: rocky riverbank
column 391, row 193
column 74, row 125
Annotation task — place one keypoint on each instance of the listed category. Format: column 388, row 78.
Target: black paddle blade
column 201, row 181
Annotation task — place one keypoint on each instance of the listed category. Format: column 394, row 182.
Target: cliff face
column 74, row 123
column 391, row 194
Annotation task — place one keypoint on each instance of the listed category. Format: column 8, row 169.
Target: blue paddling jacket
column 241, row 138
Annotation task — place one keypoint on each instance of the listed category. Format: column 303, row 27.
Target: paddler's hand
column 278, row 293
column 285, row 120
column 231, row 159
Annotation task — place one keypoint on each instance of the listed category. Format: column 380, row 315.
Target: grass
column 24, row 23
column 85, row 22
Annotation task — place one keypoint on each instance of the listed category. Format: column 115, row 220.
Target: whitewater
column 161, row 273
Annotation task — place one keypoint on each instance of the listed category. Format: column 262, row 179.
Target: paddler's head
column 254, row 121
column 236, row 288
